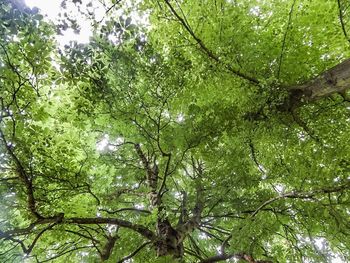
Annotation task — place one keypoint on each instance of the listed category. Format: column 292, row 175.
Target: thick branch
column 23, row 176
column 334, row 80
column 108, row 247
column 152, row 176
column 194, row 221
column 241, row 256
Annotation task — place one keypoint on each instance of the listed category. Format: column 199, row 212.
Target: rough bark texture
column 170, row 242
column 334, row 80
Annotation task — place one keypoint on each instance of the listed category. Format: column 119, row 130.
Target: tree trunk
column 334, row 80
column 170, row 242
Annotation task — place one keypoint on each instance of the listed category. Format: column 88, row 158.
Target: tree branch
column 207, row 51
column 333, row 80
column 24, row 178
column 134, row 253
column 341, row 18
column 284, row 39
column 194, row 221
column 112, row 221
column 302, row 195
column 240, row 256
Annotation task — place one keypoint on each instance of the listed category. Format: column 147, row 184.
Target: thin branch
column 64, row 253
column 82, row 235
column 132, row 209
column 108, row 10
column 166, row 173
column 253, row 154
column 29, row 250
column 134, row 253
column 284, row 39
column 341, row 18
column 207, row 51
column 302, row 195
column 112, row 221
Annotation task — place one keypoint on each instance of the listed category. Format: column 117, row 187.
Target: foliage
column 193, row 138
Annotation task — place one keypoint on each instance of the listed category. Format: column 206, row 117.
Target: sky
column 52, row 8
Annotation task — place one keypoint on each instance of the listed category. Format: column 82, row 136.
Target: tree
column 218, row 132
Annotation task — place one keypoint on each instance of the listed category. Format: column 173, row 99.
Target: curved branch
column 112, row 221
column 302, row 195
column 134, row 253
column 132, row 209
column 209, row 52
column 341, row 18
column 23, row 176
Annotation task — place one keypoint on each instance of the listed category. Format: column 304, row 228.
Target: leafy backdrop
column 218, row 130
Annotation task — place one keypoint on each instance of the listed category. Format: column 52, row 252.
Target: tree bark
column 170, row 241
column 333, row 80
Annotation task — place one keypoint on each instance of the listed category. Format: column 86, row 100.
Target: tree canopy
column 216, row 130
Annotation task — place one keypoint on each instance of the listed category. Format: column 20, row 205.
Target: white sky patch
column 111, row 228
column 180, row 118
column 263, row 171
column 203, row 236
column 320, row 243
column 337, row 259
column 301, row 136
column 114, row 39
column 255, row 10
column 52, row 8
column 49, row 7
column 177, row 195
column 84, row 254
column 10, row 194
column 337, row 179
column 113, row 146
column 166, row 113
column 103, row 143
column 139, row 206
column 279, row 188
